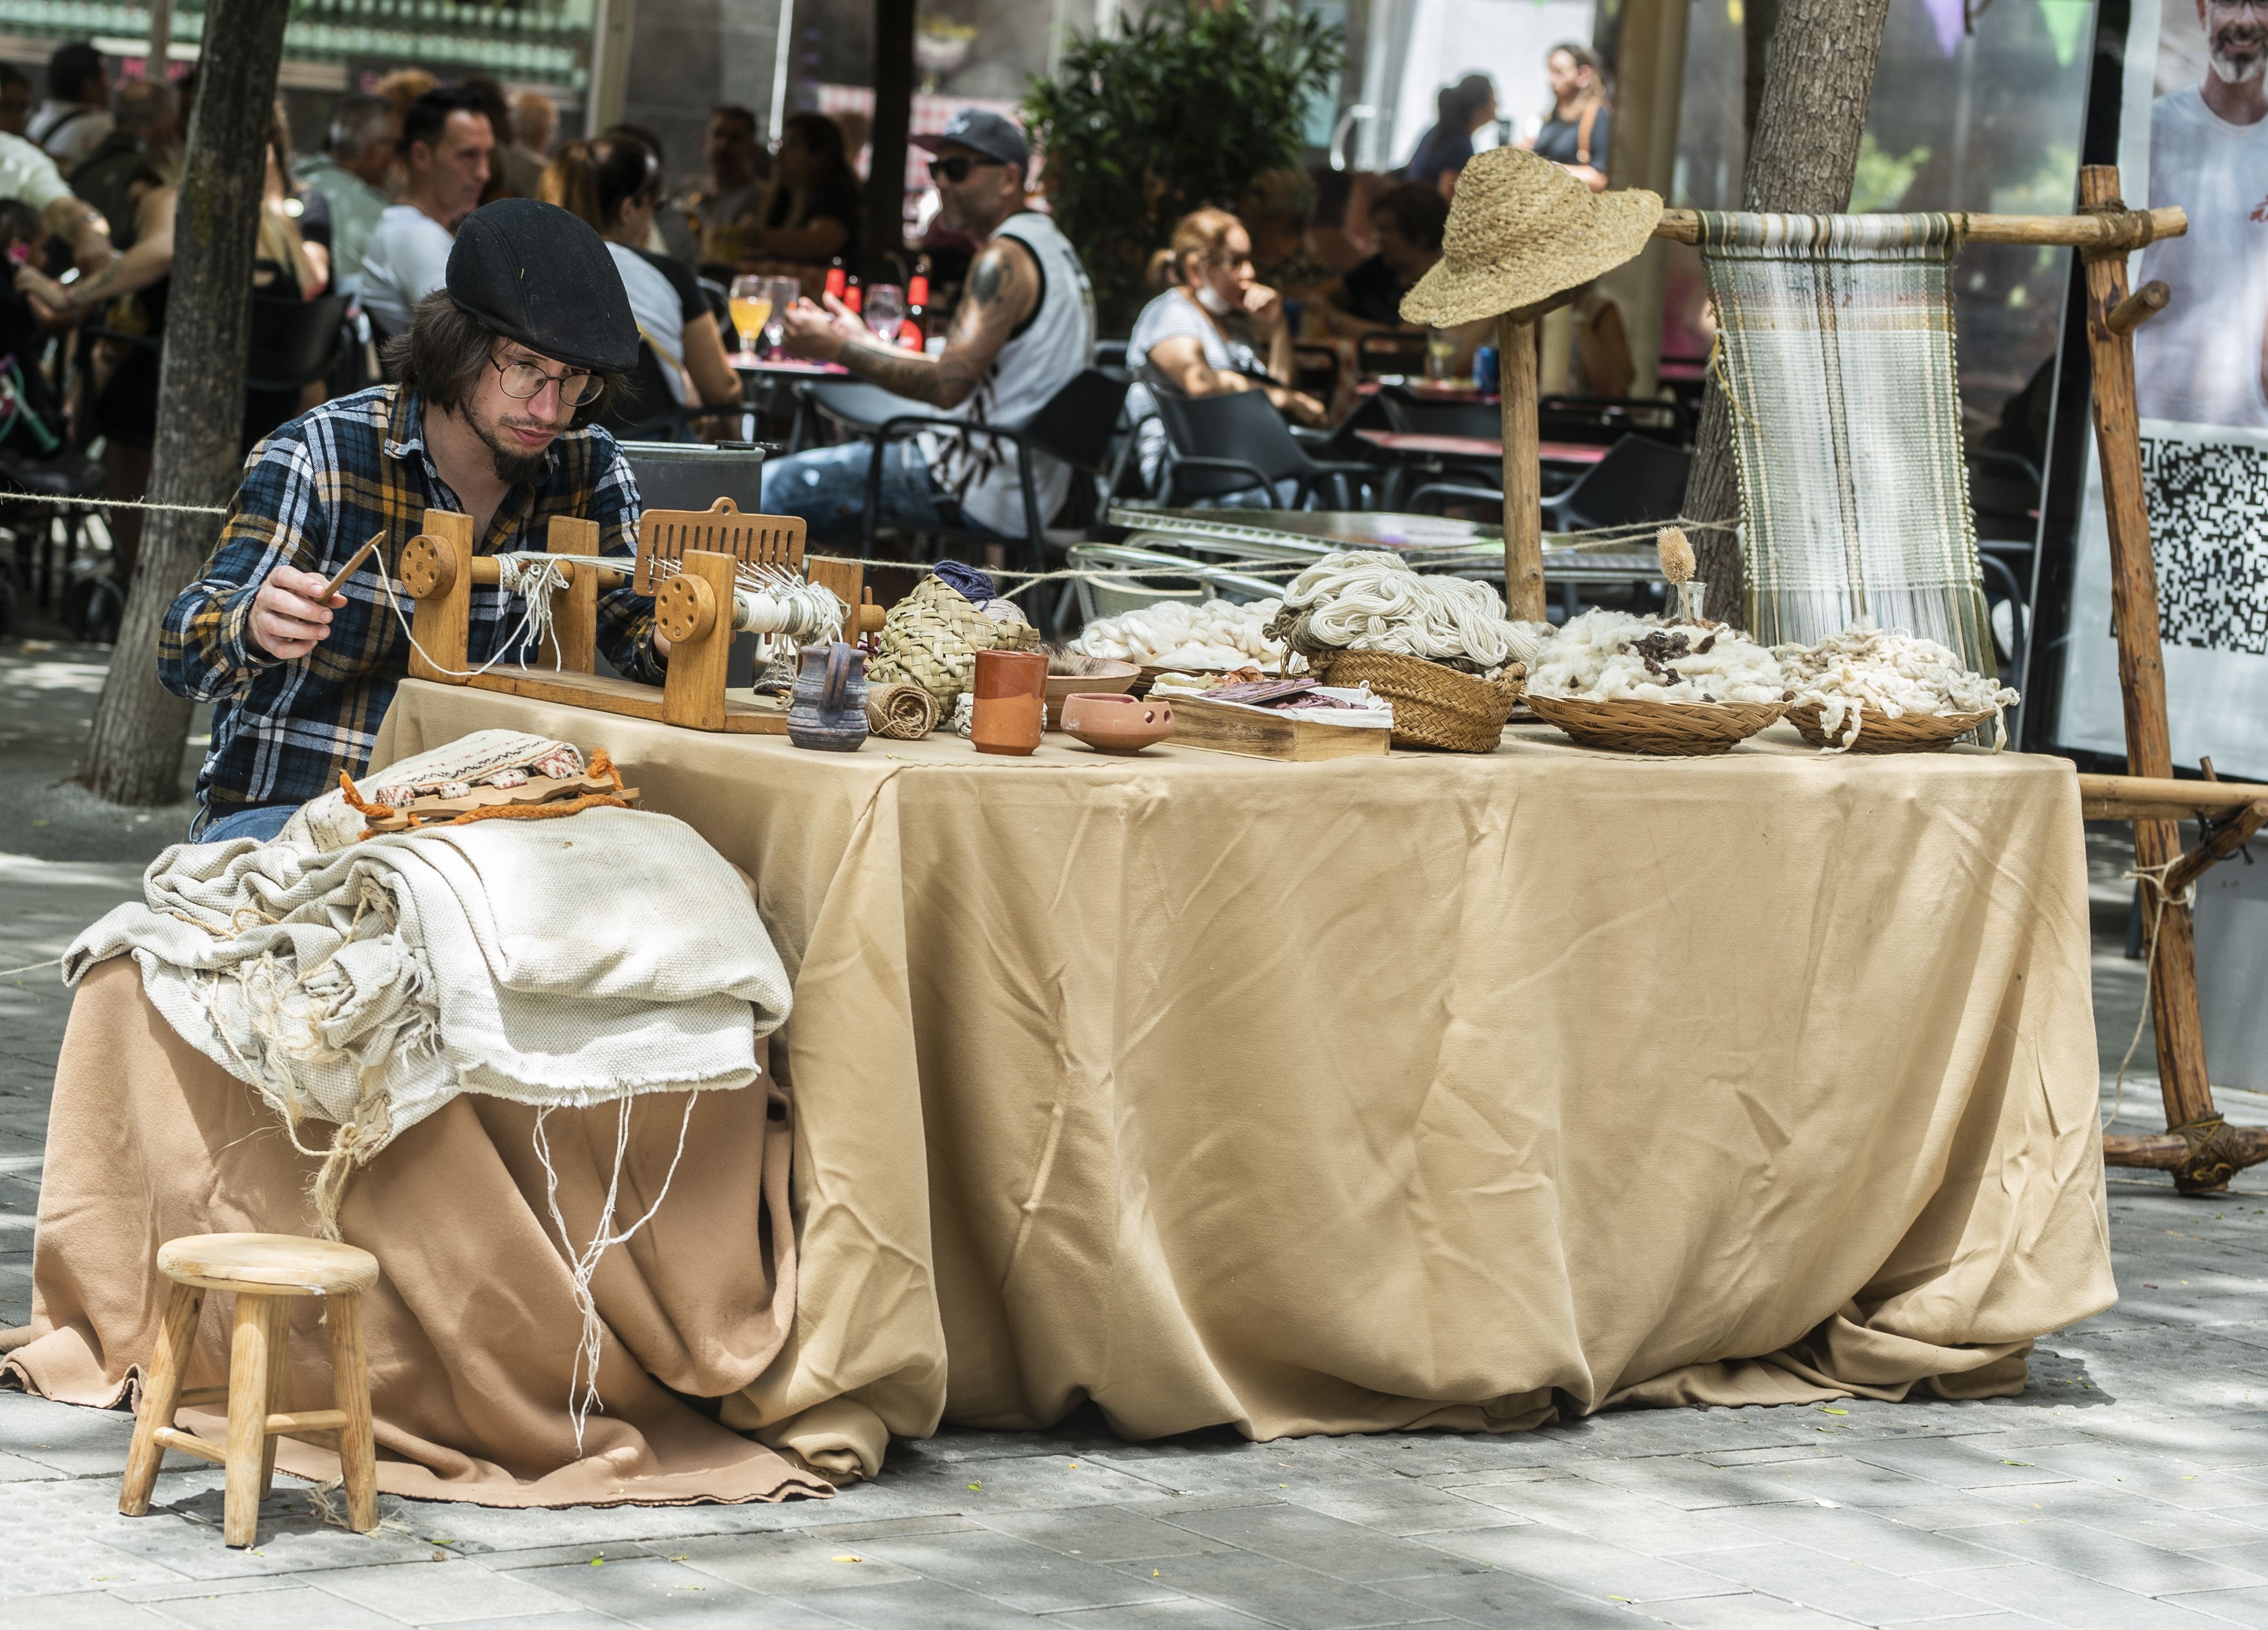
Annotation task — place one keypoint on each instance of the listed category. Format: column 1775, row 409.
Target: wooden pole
column 2174, row 1015
column 2078, row 232
column 1523, row 472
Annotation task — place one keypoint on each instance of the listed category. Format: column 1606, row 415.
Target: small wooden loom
column 693, row 604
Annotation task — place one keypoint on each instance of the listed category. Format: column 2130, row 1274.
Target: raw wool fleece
column 575, row 961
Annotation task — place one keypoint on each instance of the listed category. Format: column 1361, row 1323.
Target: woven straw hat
column 1521, row 230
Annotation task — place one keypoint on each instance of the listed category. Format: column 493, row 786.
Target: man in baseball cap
column 532, row 326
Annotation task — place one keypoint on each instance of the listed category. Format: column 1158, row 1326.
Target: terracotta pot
column 1117, row 724
column 1108, row 676
column 1011, row 689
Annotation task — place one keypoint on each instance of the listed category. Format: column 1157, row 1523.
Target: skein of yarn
column 1368, row 600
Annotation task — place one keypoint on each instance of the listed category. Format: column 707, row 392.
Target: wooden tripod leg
column 161, row 1395
column 350, row 1386
column 2173, row 1014
column 1523, row 472
column 254, row 1348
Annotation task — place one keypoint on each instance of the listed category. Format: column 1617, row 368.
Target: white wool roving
column 1606, row 656
column 1896, row 675
column 1369, row 600
column 1188, row 634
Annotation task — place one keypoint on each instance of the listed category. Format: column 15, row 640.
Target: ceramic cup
column 1111, row 723
column 1011, row 688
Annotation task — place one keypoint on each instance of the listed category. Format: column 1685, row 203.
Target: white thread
column 582, row 1389
column 10, row 973
column 1368, row 600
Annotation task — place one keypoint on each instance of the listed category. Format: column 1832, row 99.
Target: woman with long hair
column 1577, row 131
column 614, row 183
column 1445, row 151
column 814, row 209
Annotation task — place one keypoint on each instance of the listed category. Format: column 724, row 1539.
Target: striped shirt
column 312, row 494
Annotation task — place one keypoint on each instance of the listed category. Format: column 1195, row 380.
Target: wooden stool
column 265, row 1271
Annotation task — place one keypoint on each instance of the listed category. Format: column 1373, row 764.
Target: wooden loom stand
column 1516, row 344
column 693, row 606
column 2200, row 1148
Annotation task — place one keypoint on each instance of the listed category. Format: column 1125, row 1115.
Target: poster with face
column 2193, row 132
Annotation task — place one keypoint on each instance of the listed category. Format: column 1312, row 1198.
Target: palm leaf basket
column 1663, row 729
column 1433, row 705
column 1879, row 732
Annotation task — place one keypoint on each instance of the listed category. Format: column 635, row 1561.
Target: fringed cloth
column 1836, row 337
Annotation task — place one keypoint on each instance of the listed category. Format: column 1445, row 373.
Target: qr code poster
column 2193, row 122
column 2206, row 487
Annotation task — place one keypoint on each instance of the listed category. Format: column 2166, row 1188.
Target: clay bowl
column 1105, row 678
column 1112, row 722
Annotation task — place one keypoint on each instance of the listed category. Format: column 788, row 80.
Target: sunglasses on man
column 955, row 169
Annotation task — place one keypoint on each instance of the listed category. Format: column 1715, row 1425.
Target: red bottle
column 910, row 332
column 837, row 279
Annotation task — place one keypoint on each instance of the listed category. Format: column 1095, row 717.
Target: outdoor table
column 749, row 363
column 1425, row 444
column 1422, row 1090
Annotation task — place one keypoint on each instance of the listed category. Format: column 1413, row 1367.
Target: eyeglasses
column 955, row 169
column 523, row 381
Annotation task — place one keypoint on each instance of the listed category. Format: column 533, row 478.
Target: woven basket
column 1433, row 705
column 1879, row 732
column 931, row 638
column 1669, row 730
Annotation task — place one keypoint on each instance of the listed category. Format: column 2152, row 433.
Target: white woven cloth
column 558, row 962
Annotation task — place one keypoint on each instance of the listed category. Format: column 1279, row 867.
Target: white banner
column 2194, row 132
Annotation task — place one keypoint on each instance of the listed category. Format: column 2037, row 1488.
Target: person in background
column 728, row 206
column 614, row 183
column 1446, row 149
column 669, row 235
column 144, row 115
column 1408, row 221
column 15, row 99
column 1339, row 233
column 1196, row 336
column 496, row 106
column 1578, row 130
column 72, row 122
column 535, row 126
column 293, row 257
column 350, row 173
column 1277, row 212
column 815, row 199
column 1023, row 330
column 403, row 86
column 445, row 143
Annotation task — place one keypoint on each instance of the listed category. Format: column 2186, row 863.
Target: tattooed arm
column 1003, row 288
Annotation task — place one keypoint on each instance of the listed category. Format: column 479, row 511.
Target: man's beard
column 2234, row 70
column 511, row 466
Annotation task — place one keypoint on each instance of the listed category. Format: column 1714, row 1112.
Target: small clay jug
column 827, row 712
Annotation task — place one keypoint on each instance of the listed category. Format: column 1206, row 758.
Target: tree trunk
column 141, row 729
column 1802, row 154
column 893, row 111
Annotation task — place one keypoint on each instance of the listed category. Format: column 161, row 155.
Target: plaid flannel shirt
column 312, row 494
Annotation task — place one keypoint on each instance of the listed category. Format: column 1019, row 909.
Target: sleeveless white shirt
column 1054, row 343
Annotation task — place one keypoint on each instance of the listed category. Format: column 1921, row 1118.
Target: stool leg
column 279, row 1363
column 256, row 1343
column 161, row 1392
column 350, row 1385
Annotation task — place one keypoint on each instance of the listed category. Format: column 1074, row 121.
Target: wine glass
column 785, row 291
column 751, row 300
column 885, row 310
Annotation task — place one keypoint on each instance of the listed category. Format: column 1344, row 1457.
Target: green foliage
column 1182, row 109
column 1883, row 177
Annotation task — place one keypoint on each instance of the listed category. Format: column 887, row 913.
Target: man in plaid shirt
column 534, row 323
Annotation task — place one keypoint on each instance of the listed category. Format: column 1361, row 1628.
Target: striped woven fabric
column 1836, row 337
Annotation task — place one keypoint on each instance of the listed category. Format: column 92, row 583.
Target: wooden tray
column 1223, row 727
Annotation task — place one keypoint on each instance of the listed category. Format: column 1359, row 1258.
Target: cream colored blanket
column 570, row 961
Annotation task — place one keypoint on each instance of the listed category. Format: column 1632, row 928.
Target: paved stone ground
column 2127, row 1489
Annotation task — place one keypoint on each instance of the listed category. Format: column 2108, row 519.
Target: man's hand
column 823, row 336
column 287, row 621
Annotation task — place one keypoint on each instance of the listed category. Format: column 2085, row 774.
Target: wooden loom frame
column 692, row 606
column 2201, row 1150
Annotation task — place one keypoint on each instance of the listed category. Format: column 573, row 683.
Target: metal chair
column 1108, row 599
column 1218, row 447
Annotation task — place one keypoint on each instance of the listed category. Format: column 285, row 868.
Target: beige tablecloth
column 1382, row 1093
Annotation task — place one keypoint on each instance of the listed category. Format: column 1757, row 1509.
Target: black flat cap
column 538, row 274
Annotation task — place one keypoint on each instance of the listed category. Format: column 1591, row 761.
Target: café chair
column 267, row 1273
column 1108, row 599
column 1077, row 424
column 1605, row 420
column 1222, row 446
column 646, row 410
